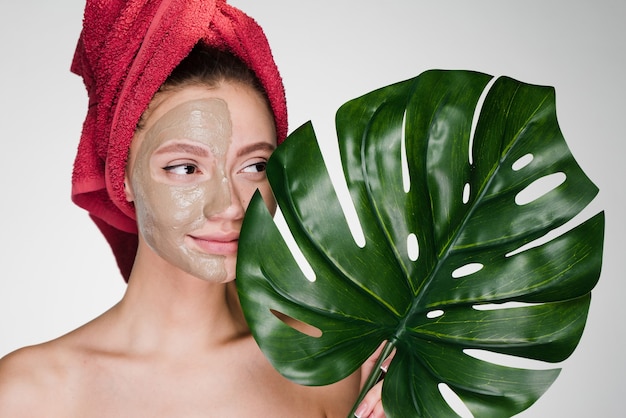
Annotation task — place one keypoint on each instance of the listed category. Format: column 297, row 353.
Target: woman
column 171, row 152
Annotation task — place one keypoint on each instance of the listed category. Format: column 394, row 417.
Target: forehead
column 164, row 101
column 245, row 108
column 235, row 94
column 203, row 120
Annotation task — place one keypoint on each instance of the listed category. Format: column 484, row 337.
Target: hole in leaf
column 454, row 401
column 331, row 159
column 406, row 179
column 434, row 314
column 551, row 235
column 539, row 188
column 504, row 305
column 300, row 259
column 476, row 116
column 508, row 360
column 522, row 162
column 412, row 247
column 303, row 327
column 466, row 270
column 466, row 193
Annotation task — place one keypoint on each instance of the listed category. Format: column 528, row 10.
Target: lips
column 225, row 244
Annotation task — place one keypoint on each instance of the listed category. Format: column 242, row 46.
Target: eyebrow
column 186, row 148
column 257, row 146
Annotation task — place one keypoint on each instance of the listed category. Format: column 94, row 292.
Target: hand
column 371, row 406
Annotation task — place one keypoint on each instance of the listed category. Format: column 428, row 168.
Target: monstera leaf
column 454, row 216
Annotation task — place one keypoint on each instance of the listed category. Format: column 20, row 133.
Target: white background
column 56, row 272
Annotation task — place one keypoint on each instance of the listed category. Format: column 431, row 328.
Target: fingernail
column 360, row 410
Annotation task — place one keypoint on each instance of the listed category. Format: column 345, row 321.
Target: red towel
column 125, row 52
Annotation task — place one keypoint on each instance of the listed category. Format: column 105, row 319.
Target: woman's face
column 192, row 171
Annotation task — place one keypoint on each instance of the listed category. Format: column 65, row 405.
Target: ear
column 128, row 191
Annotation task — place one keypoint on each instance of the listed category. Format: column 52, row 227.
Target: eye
column 257, row 167
column 181, row 169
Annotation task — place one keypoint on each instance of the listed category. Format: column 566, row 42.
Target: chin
column 214, row 269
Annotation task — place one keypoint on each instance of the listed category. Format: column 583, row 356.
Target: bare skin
column 158, row 365
column 177, row 343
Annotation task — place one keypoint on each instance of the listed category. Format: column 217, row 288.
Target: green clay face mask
column 179, row 180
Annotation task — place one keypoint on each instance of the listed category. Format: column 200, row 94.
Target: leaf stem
column 375, row 374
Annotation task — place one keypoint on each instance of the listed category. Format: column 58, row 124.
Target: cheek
column 183, row 205
column 162, row 209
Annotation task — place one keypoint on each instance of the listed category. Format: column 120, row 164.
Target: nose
column 224, row 202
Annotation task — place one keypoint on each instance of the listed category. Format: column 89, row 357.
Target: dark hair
column 209, row 66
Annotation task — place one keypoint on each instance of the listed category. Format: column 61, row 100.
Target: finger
column 370, row 401
column 387, row 362
column 368, row 366
column 378, row 411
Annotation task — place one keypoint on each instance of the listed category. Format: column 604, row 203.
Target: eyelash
column 188, row 168
column 259, row 166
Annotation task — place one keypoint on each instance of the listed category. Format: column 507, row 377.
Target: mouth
column 219, row 245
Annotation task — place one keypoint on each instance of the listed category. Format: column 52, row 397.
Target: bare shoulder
column 29, row 373
column 24, row 375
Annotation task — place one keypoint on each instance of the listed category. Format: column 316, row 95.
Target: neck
column 167, row 309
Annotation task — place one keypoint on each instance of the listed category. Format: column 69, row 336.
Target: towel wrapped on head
column 125, row 52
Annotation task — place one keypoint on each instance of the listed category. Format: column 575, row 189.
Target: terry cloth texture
column 125, row 52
